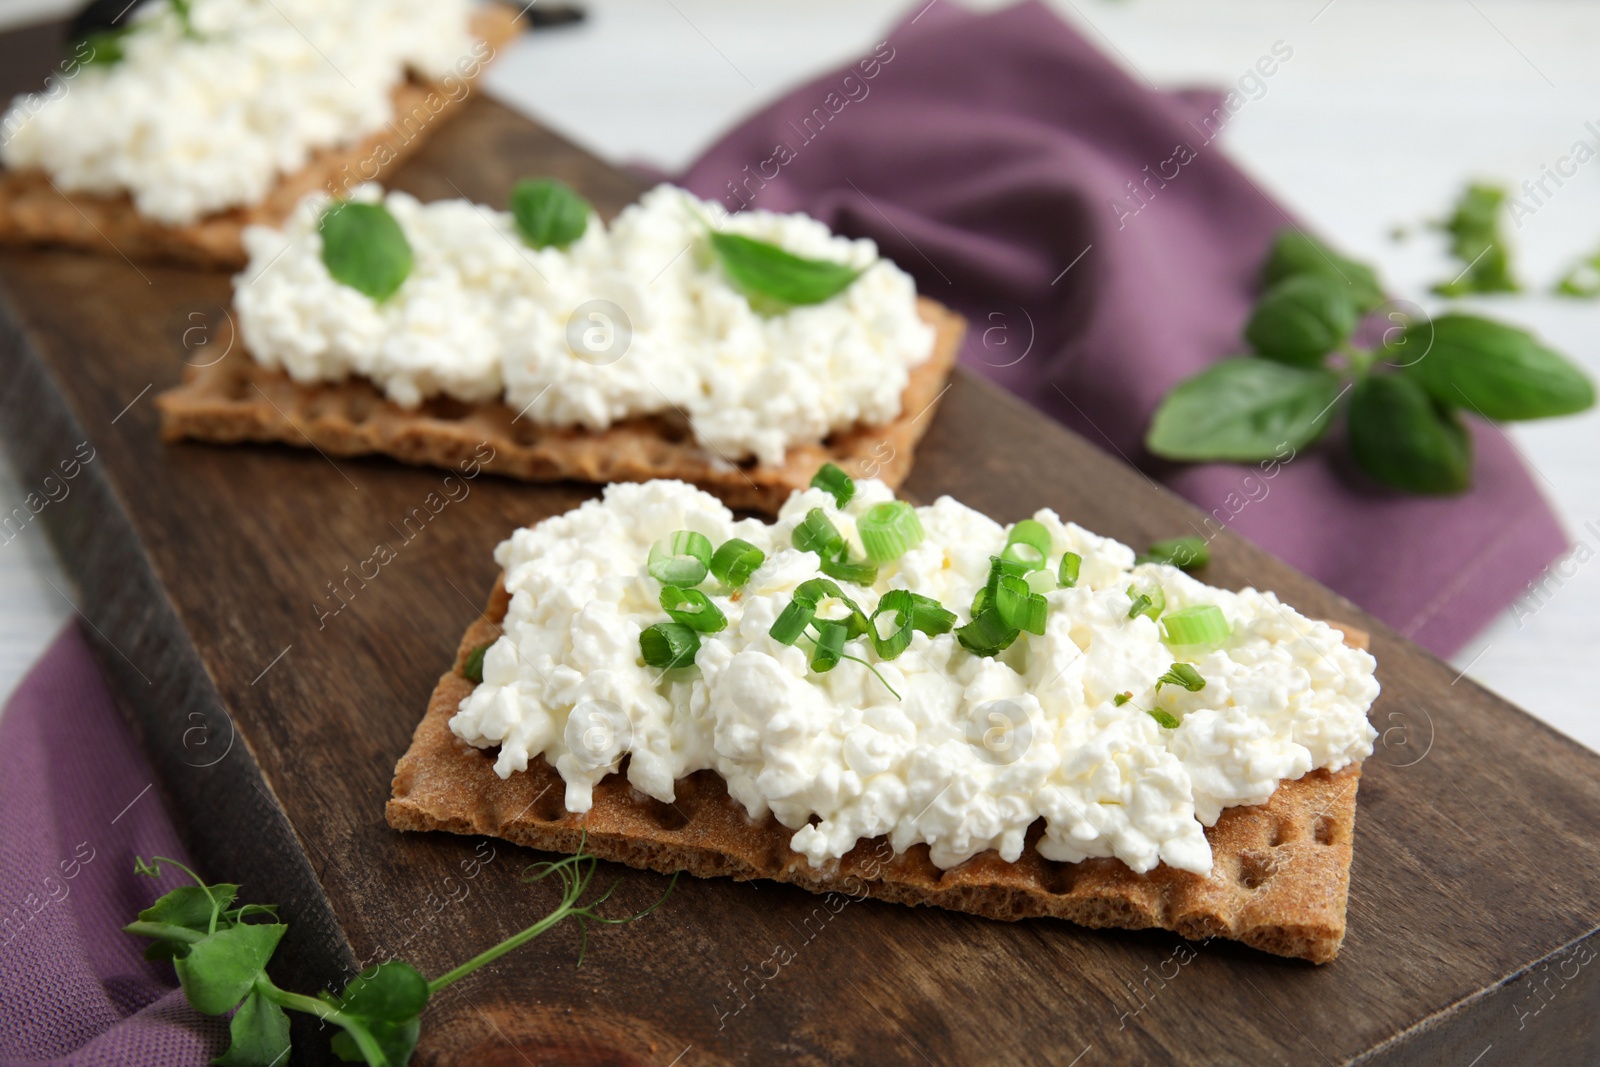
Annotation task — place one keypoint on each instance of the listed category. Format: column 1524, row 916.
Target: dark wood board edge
column 1534, row 1005
column 125, row 596
column 162, row 684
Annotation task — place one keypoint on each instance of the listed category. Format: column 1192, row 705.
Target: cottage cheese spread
column 483, row 315
column 191, row 123
column 837, row 758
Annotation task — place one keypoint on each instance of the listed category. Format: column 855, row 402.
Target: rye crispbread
column 1279, row 881
column 34, row 211
column 237, row 400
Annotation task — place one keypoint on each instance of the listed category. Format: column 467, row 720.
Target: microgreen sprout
column 221, row 960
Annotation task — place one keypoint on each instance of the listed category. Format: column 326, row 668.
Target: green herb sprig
column 1477, row 243
column 221, row 959
column 364, row 247
column 1406, row 397
column 548, row 213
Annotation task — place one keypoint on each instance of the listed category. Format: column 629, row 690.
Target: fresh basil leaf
column 1295, row 253
column 1186, row 553
column 220, row 969
column 106, row 46
column 764, row 270
column 363, row 247
column 1401, row 437
column 1243, row 410
column 1499, row 371
column 1476, row 241
column 260, row 1033
column 549, row 214
column 392, row 992
column 190, row 906
column 1301, row 319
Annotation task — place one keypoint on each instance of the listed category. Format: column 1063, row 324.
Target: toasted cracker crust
column 1279, row 882
column 237, row 399
column 33, row 211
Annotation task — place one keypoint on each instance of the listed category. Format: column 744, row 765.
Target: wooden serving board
column 204, row 572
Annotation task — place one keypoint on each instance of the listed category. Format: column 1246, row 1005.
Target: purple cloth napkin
column 1103, row 247
column 76, row 805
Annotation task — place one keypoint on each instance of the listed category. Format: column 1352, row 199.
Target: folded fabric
column 77, row 803
column 1104, row 248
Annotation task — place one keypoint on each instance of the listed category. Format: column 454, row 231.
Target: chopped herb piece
column 1071, row 563
column 890, row 530
column 682, row 559
column 1028, row 544
column 1182, row 674
column 472, row 670
column 836, row 482
column 668, row 644
column 736, row 561
column 692, row 608
column 1189, row 553
column 1167, row 720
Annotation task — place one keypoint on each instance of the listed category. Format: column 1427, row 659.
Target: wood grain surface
column 274, row 721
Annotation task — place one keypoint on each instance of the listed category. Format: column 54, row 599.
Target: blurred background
column 1370, row 132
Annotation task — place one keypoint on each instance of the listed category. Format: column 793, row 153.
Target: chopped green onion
column 1027, row 544
column 473, row 668
column 817, row 590
column 890, row 530
column 1203, row 624
column 857, row 572
column 829, row 646
column 818, row 534
column 1151, row 604
column 793, row 620
column 1182, row 674
column 1068, row 574
column 668, row 644
column 1165, row 718
column 1020, row 608
column 980, row 600
column 1122, row 698
column 1185, row 552
column 899, row 603
column 987, row 634
column 836, row 482
column 692, row 608
column 1042, row 581
column 929, row 616
column 736, row 561
column 681, row 559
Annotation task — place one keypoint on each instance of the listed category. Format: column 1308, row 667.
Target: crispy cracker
column 237, row 399
column 1279, row 881
column 34, row 211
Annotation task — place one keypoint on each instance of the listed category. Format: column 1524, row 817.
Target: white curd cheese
column 195, row 120
column 972, row 752
column 483, row 315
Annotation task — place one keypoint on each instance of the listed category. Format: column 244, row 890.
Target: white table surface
column 1382, row 113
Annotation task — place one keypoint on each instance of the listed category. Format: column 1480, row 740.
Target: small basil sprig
column 763, row 271
column 364, row 247
column 1477, row 243
column 548, row 213
column 1406, row 397
column 221, row 959
column 105, row 37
